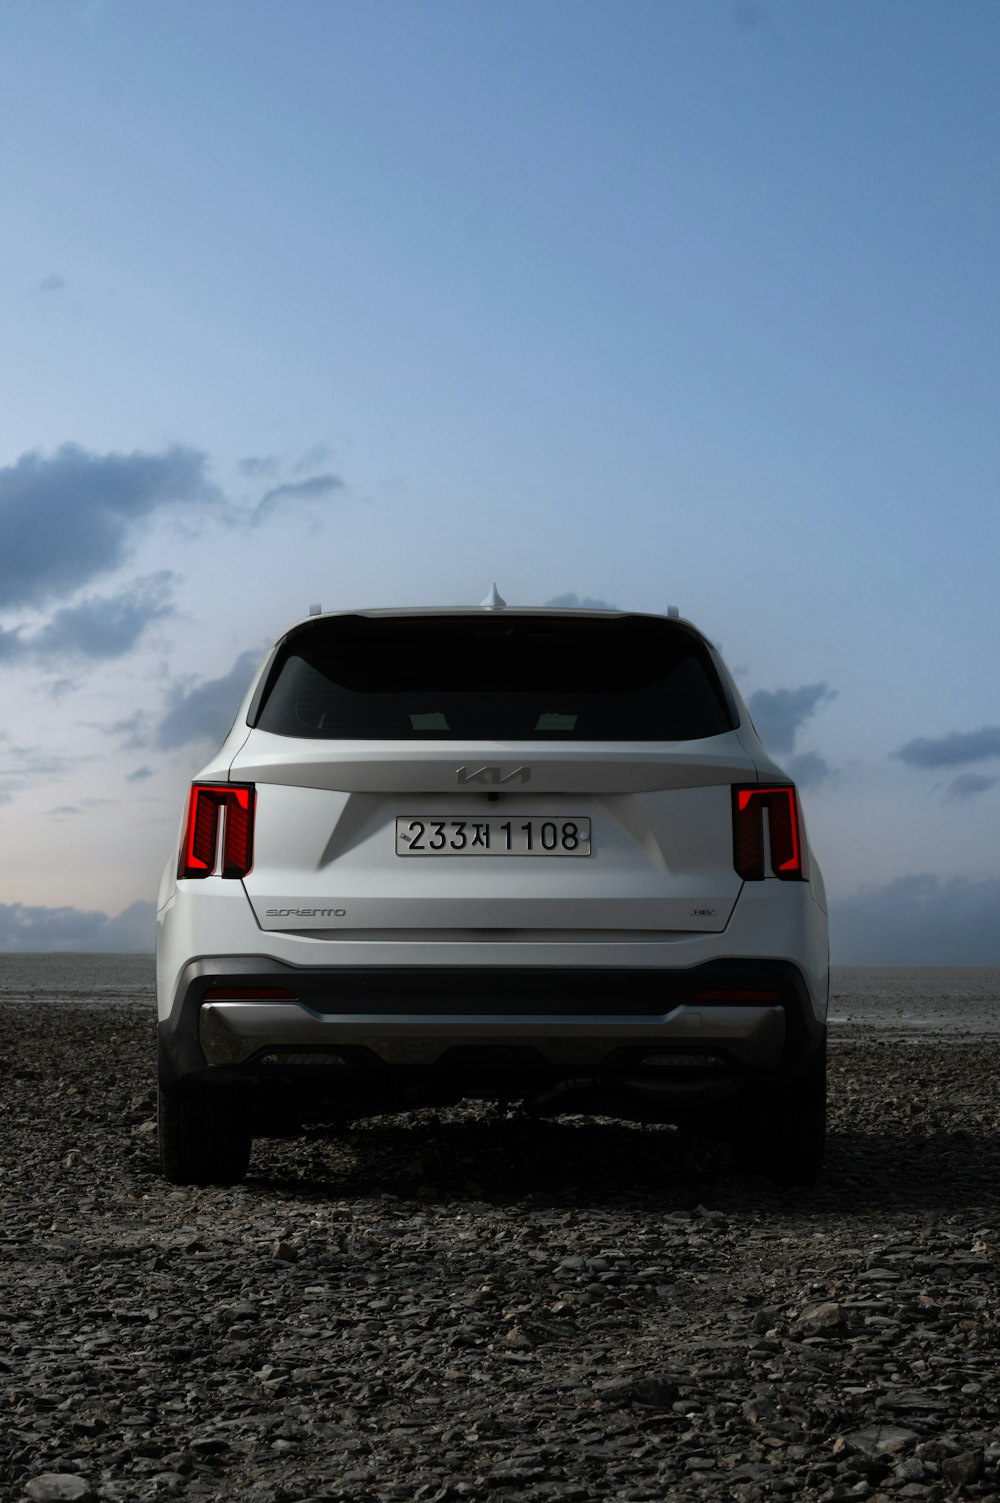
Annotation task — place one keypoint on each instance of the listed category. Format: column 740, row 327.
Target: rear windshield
column 460, row 678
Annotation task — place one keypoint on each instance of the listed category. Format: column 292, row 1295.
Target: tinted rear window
column 627, row 678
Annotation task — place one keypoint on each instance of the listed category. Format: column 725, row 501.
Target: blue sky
column 369, row 302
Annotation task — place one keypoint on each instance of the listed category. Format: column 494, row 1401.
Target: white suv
column 494, row 853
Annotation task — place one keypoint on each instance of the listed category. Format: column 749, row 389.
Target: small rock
column 651, row 1393
column 910, row 1470
column 759, row 1411
column 285, row 1251
column 877, row 1440
column 820, row 1320
column 58, row 1487
column 959, row 1471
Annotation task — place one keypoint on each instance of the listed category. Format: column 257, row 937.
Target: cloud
column 779, row 714
column 11, row 645
column 101, row 629
column 314, row 489
column 139, row 775
column 62, row 811
column 312, row 458
column 34, row 761
column 808, row 769
column 969, row 785
column 134, row 731
column 26, row 929
column 953, row 750
column 206, row 712
column 258, row 466
column 919, row 920
column 69, row 517
column 571, row 602
column 20, row 766
column 48, row 285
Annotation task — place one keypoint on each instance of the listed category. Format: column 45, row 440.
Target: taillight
column 200, row 855
column 784, row 837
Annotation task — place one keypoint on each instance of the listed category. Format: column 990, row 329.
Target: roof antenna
column 494, row 601
column 673, row 612
column 315, row 610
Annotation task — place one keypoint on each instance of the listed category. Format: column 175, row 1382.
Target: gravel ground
column 467, row 1305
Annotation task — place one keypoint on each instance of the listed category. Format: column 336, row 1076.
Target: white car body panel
column 213, row 919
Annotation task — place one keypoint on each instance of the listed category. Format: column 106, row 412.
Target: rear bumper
column 364, row 1019
column 342, row 1028
column 233, row 1033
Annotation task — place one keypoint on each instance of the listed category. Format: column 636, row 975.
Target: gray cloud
column 26, row 928
column 266, row 466
column 69, row 517
column 134, row 731
column 259, row 466
column 21, row 766
column 139, row 775
column 969, row 785
column 205, row 712
column 808, row 769
column 314, row 489
column 919, row 920
column 571, row 602
column 48, row 285
column 312, row 458
column 106, row 628
column 11, row 645
column 61, row 811
column 36, row 761
column 953, row 750
column 779, row 714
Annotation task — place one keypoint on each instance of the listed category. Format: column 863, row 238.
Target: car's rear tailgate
column 660, row 825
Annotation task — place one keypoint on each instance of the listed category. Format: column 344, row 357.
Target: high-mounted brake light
column 200, row 844
column 784, row 838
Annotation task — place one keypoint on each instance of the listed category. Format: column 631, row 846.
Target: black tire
column 781, row 1133
column 204, row 1139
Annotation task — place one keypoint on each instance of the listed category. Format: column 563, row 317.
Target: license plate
column 493, row 835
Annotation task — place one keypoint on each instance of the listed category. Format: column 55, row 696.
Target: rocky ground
column 468, row 1306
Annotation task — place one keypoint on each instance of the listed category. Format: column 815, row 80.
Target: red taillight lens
column 200, row 844
column 783, row 830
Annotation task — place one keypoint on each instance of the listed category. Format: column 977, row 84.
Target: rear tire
column 781, row 1133
column 204, row 1139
